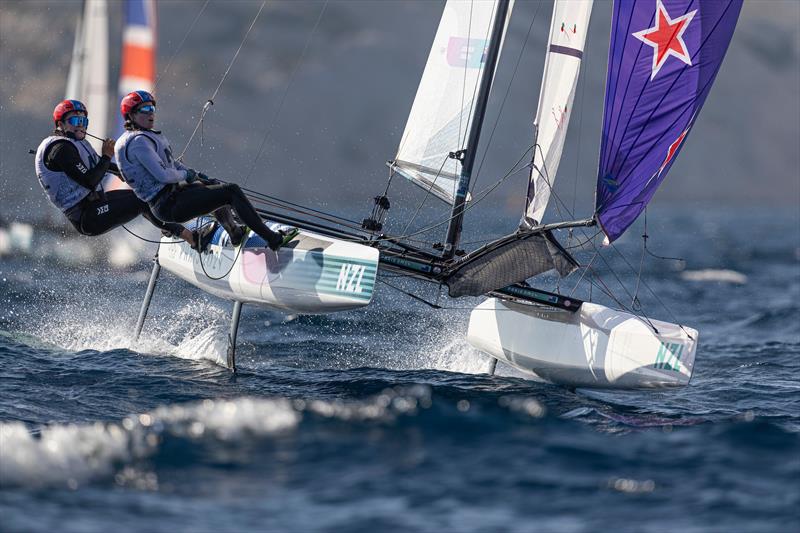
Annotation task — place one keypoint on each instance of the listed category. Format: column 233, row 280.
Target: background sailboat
column 88, row 70
column 88, row 79
column 138, row 64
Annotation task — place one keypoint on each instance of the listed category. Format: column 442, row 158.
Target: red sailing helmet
column 67, row 106
column 134, row 99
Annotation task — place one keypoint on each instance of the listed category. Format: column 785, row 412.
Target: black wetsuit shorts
column 99, row 213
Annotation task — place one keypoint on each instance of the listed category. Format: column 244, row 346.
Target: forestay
column 662, row 61
column 568, row 29
column 443, row 108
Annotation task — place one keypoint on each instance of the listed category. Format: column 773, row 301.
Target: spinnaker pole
column 471, row 148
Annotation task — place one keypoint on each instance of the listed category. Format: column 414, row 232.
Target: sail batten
column 660, row 71
column 567, row 38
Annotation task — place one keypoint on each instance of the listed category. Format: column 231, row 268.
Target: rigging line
column 508, row 91
column 427, row 193
column 319, row 216
column 484, row 193
column 464, row 82
column 480, row 196
column 389, row 181
column 288, row 206
column 149, row 240
column 604, row 288
column 414, row 296
column 180, row 46
column 632, row 269
column 651, row 254
column 268, row 132
column 299, row 211
column 233, row 264
column 585, row 270
column 584, row 242
column 298, row 206
column 284, row 204
column 546, row 177
column 597, row 281
column 210, row 101
column 481, row 241
column 200, row 254
column 652, row 292
column 616, row 277
column 635, row 302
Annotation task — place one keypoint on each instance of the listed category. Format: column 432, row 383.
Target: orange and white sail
column 138, row 66
column 138, row 70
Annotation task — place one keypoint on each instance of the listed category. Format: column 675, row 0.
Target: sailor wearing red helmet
column 174, row 192
column 71, row 173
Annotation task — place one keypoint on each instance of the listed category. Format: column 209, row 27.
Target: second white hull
column 595, row 347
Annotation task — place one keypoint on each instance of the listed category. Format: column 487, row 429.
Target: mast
column 469, row 153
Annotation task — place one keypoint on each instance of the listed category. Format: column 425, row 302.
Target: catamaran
column 663, row 58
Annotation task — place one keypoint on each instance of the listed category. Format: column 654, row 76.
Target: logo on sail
column 469, row 53
column 666, row 38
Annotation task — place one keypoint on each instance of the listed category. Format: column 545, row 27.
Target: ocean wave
column 74, row 454
column 71, row 455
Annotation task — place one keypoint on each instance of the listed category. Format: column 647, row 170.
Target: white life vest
column 63, row 191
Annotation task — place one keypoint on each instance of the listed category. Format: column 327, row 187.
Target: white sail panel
column 561, row 69
column 88, row 71
column 443, row 107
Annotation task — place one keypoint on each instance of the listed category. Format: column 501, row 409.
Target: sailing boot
column 203, row 235
column 238, row 235
column 283, row 237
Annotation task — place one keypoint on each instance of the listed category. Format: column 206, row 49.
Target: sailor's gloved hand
column 108, row 148
column 191, row 175
column 205, row 179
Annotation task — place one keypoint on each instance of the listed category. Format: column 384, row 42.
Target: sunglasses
column 77, row 120
column 147, row 109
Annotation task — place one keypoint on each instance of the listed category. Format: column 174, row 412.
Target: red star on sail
column 666, row 37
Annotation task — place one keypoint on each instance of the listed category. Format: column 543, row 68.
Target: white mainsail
column 88, row 71
column 568, row 29
column 443, row 108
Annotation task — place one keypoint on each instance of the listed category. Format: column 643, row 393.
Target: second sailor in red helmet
column 175, row 192
column 71, row 173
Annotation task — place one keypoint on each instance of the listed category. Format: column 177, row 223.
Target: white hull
column 312, row 274
column 595, row 347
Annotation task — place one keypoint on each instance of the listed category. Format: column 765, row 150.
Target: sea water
column 383, row 419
